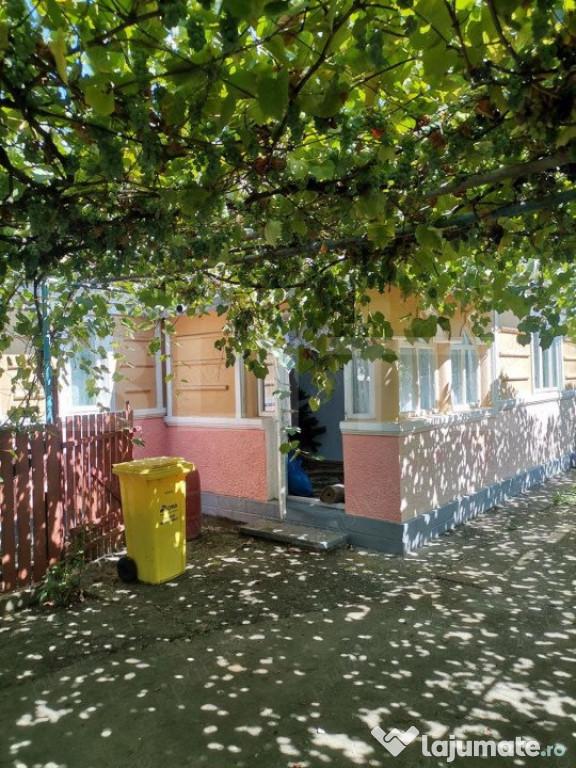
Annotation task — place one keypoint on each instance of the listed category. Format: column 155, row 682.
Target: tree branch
column 504, row 173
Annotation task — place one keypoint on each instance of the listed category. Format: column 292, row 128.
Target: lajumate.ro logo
column 396, row 741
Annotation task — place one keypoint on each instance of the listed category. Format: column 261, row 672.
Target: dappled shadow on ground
column 264, row 656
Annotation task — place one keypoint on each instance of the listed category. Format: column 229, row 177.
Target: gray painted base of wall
column 393, row 538
column 235, row 508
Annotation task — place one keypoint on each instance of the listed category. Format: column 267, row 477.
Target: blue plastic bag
column 298, row 481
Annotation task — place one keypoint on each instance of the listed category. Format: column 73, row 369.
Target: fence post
column 38, row 474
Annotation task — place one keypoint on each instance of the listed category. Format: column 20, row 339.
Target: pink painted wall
column 231, row 462
column 372, row 472
column 449, row 461
column 153, row 432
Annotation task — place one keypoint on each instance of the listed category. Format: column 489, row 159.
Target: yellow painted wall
column 514, row 365
column 398, row 310
column 569, row 361
column 9, row 368
column 138, row 387
column 201, row 385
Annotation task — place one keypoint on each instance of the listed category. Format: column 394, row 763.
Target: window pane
column 537, row 352
column 79, row 378
column 426, row 379
column 546, row 363
column 550, row 364
column 455, row 362
column 406, row 372
column 471, row 365
column 360, row 385
column 546, row 368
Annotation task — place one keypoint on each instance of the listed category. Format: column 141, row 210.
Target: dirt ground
column 263, row 656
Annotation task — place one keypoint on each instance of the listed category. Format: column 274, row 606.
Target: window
column 359, row 387
column 93, row 363
column 416, row 370
column 464, row 364
column 546, row 363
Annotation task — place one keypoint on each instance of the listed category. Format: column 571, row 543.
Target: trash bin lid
column 154, row 468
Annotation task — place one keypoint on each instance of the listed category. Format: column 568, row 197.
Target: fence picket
column 7, row 512
column 114, row 483
column 92, row 452
column 54, row 496
column 69, row 470
column 38, row 474
column 23, row 496
column 77, row 461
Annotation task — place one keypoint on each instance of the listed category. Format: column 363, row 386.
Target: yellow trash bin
column 154, row 506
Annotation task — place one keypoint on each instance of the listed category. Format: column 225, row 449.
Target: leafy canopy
column 282, row 158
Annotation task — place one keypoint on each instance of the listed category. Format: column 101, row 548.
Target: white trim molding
column 542, row 396
column 414, row 425
column 214, row 422
column 436, row 421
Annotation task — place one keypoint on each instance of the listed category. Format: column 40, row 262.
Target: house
column 424, row 444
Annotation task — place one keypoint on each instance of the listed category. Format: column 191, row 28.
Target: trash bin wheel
column 127, row 569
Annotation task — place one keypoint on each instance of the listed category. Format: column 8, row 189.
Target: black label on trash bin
column 168, row 514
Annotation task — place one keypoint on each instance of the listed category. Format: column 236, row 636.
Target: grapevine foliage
column 283, row 160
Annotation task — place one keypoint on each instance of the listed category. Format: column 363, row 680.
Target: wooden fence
column 58, row 490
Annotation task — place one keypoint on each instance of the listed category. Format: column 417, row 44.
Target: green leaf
column 314, row 403
column 566, row 135
column 429, row 237
column 444, row 325
column 272, row 94
column 276, row 7
column 437, row 60
column 297, row 166
column 100, row 99
column 424, row 328
column 57, row 46
column 272, row 232
column 380, row 234
column 386, row 153
column 324, row 171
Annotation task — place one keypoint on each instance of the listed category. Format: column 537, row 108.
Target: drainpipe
column 47, row 356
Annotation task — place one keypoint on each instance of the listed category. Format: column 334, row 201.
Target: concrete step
column 296, row 535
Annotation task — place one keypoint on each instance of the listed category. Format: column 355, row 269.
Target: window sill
column 216, row 422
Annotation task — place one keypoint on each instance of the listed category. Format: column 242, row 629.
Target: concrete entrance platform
column 297, row 535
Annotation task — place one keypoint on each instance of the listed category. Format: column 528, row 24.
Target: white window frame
column 415, row 350
column 349, row 404
column 106, row 396
column 463, row 346
column 267, row 407
column 550, row 359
